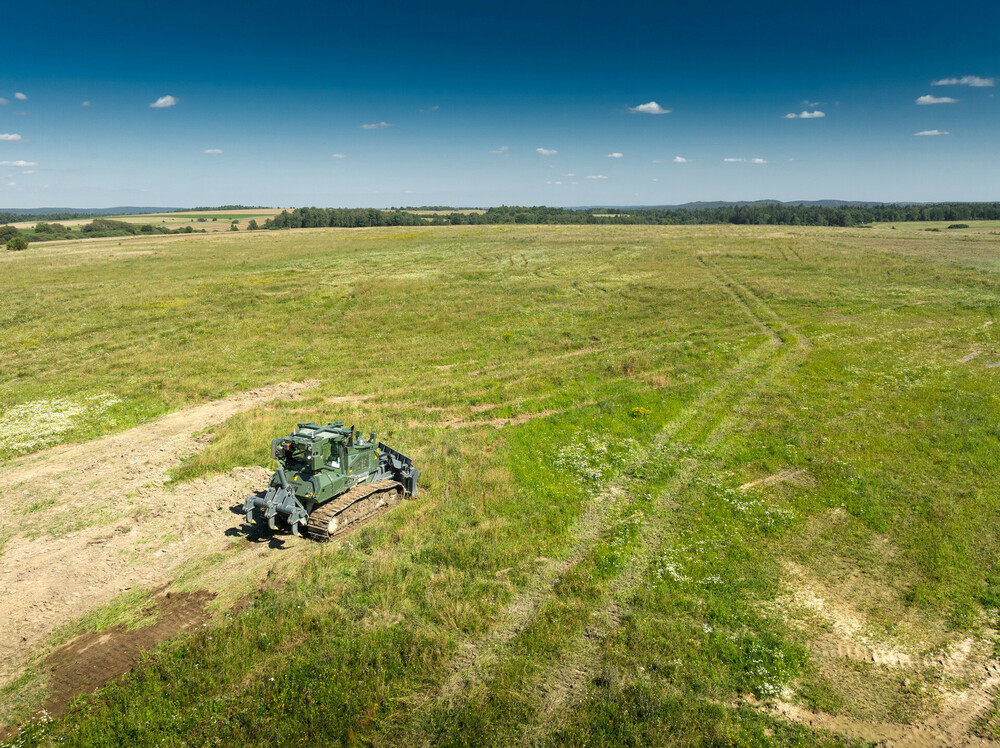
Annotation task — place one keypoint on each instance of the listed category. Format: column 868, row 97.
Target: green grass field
column 744, row 474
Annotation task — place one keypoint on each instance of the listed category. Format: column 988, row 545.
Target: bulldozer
column 329, row 479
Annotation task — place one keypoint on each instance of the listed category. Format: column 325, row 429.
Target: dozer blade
column 400, row 467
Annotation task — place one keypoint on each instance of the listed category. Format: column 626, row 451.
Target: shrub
column 17, row 244
column 959, row 226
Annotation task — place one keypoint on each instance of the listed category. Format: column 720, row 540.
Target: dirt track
column 106, row 523
column 91, row 660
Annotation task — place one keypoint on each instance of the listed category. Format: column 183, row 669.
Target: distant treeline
column 788, row 215
column 21, row 217
column 438, row 208
column 351, row 218
column 757, row 214
column 98, row 228
column 766, row 214
column 222, row 207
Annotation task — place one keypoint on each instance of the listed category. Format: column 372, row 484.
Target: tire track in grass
column 951, row 726
column 480, row 660
column 573, row 677
column 477, row 658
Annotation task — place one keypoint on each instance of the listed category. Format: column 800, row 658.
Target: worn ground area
column 88, row 522
column 92, row 660
column 951, row 726
column 883, row 673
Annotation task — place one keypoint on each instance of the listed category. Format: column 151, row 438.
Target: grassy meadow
column 666, row 472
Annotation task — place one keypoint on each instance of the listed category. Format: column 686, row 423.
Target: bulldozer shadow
column 256, row 532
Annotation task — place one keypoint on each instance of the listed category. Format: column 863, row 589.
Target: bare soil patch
column 949, row 728
column 899, row 688
column 94, row 659
column 89, row 521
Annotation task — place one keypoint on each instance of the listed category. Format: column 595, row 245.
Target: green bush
column 17, row 243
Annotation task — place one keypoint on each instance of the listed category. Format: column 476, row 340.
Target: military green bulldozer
column 330, row 478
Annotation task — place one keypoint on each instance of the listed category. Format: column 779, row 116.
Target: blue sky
column 517, row 103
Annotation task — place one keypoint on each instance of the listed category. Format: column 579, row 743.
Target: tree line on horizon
column 759, row 214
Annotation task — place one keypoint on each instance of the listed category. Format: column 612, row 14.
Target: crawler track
column 360, row 503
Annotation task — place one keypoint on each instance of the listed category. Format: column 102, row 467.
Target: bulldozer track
column 361, row 503
column 945, row 663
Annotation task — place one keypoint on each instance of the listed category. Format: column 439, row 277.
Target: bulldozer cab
column 293, row 453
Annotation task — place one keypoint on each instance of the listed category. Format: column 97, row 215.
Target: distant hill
column 713, row 204
column 125, row 210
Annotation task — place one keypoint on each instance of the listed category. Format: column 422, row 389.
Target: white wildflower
column 38, row 423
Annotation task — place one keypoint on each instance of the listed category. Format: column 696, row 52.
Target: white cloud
column 811, row 104
column 163, row 102
column 758, row 161
column 11, row 184
column 597, row 176
column 966, row 80
column 571, row 175
column 376, row 125
column 806, row 115
column 503, row 150
column 9, row 136
column 84, row 103
column 680, row 160
column 3, row 101
column 20, row 96
column 546, row 151
column 338, row 155
column 734, row 160
column 428, row 110
column 213, row 151
column 928, row 99
column 932, row 132
column 616, row 154
column 650, row 107
column 18, row 163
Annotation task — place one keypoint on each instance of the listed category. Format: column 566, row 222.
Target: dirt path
column 89, row 521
